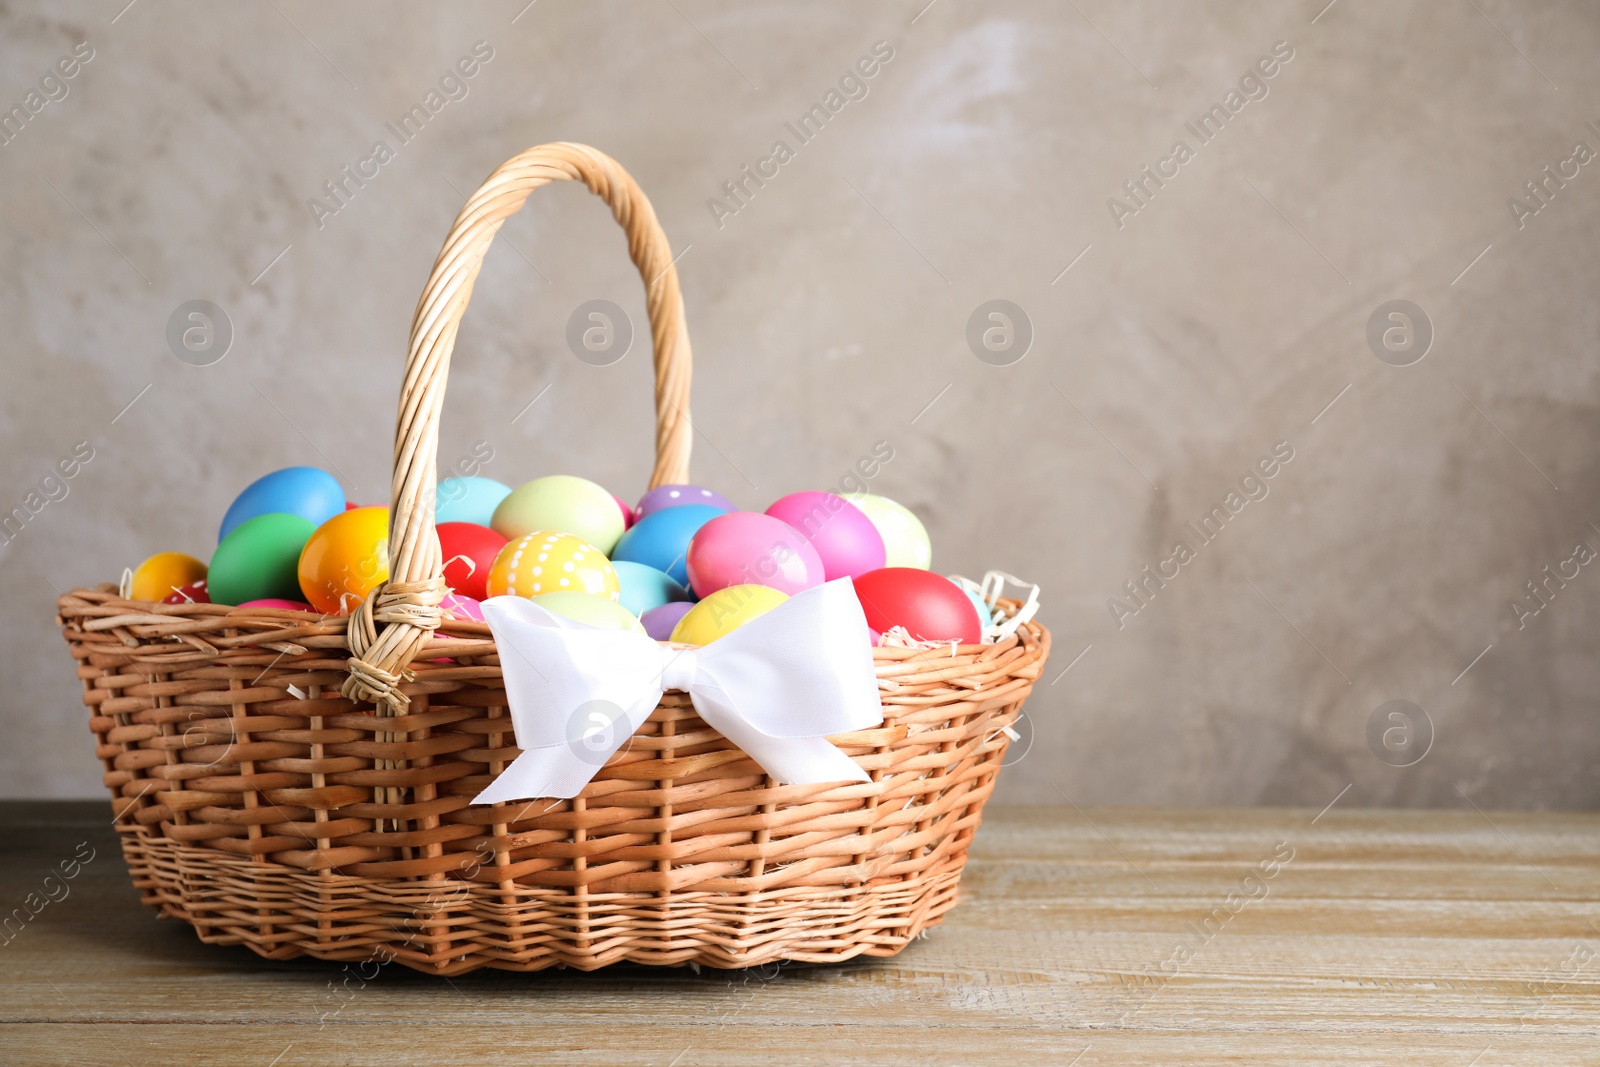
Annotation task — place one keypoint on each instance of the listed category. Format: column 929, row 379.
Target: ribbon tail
column 791, row 760
column 539, row 772
column 561, row 771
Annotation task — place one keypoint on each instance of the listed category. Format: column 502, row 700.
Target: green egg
column 587, row 608
column 905, row 539
column 561, row 503
column 259, row 559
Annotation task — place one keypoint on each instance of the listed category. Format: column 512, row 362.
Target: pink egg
column 845, row 539
column 277, row 602
column 748, row 548
column 457, row 607
column 461, row 607
column 627, row 512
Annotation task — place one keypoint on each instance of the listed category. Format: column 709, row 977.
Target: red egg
column 193, row 593
column 928, row 605
column 468, row 551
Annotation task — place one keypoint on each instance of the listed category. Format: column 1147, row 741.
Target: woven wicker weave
column 270, row 797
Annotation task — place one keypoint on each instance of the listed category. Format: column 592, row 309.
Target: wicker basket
column 303, row 785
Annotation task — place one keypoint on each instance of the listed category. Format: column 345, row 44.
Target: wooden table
column 1094, row 936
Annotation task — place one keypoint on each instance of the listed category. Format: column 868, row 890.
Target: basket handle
column 390, row 627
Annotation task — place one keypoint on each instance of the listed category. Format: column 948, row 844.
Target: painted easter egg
column 748, row 548
column 590, row 609
column 346, row 559
column 461, row 608
column 277, row 602
column 561, row 503
column 644, row 588
column 257, row 559
column 193, row 593
column 845, row 539
column 549, row 562
column 928, row 605
column 905, row 539
column 724, row 611
column 675, row 496
column 468, row 500
column 985, row 616
column 309, row 492
column 164, row 574
column 660, row 622
column 628, row 516
column 661, row 539
column 468, row 551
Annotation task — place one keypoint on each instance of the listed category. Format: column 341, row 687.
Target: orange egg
column 164, row 573
column 345, row 559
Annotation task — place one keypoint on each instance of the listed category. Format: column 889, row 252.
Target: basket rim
column 145, row 618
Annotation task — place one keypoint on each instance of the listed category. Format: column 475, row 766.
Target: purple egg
column 671, row 496
column 749, row 548
column 849, row 544
column 660, row 622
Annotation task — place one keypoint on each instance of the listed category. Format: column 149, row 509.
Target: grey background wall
column 1175, row 341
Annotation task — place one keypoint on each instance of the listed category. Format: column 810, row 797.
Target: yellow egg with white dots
column 546, row 561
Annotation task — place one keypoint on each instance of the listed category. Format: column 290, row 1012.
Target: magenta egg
column 627, row 512
column 459, row 607
column 277, row 602
column 927, row 605
column 748, row 548
column 845, row 539
column 672, row 496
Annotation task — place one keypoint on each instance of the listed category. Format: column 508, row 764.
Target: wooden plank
column 1128, row 936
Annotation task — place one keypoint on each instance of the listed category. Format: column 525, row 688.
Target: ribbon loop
column 777, row 687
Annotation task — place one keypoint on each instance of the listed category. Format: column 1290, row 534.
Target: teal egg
column 468, row 500
column 309, row 492
column 259, row 560
column 644, row 587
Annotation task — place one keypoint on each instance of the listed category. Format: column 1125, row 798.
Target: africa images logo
column 1141, row 188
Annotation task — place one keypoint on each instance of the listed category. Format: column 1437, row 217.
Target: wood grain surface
column 1085, row 936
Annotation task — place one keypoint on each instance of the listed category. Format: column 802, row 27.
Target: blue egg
column 645, row 587
column 985, row 616
column 661, row 540
column 309, row 492
column 468, row 500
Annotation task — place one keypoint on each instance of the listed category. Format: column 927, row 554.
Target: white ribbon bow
column 776, row 687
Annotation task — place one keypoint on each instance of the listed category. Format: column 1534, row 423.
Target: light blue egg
column 468, row 500
column 645, row 587
column 309, row 492
column 661, row 540
column 985, row 616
